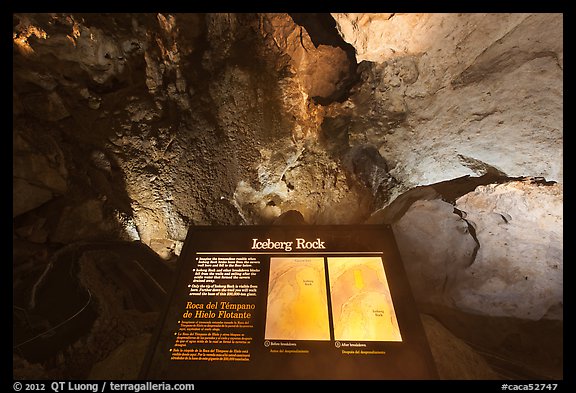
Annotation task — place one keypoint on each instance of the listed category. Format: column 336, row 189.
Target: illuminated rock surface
column 132, row 127
column 514, row 229
column 519, row 226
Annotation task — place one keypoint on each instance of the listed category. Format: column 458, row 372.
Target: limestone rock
column 307, row 180
column 33, row 229
column 436, row 248
column 165, row 248
column 321, row 69
column 473, row 256
column 470, row 95
column 364, row 165
column 115, row 292
column 515, row 348
column 518, row 270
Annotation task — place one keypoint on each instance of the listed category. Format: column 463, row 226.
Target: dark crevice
column 289, row 185
column 472, row 232
column 321, row 28
column 450, row 190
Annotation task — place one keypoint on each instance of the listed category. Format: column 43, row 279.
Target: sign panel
column 290, row 302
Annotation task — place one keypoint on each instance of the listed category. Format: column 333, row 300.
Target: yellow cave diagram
column 297, row 300
column 362, row 308
column 361, row 303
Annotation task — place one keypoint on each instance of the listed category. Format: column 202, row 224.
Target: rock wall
column 181, row 119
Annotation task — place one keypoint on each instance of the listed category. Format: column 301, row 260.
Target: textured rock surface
column 321, row 69
column 124, row 362
column 497, row 252
column 99, row 302
column 458, row 94
column 436, row 247
column 518, row 270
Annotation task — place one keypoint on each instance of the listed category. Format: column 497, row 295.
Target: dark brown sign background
column 214, row 324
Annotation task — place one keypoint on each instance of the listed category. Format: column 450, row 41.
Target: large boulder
column 497, row 252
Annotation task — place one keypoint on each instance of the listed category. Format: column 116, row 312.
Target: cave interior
column 129, row 128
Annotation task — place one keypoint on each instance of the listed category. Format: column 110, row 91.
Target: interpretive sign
column 290, row 302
